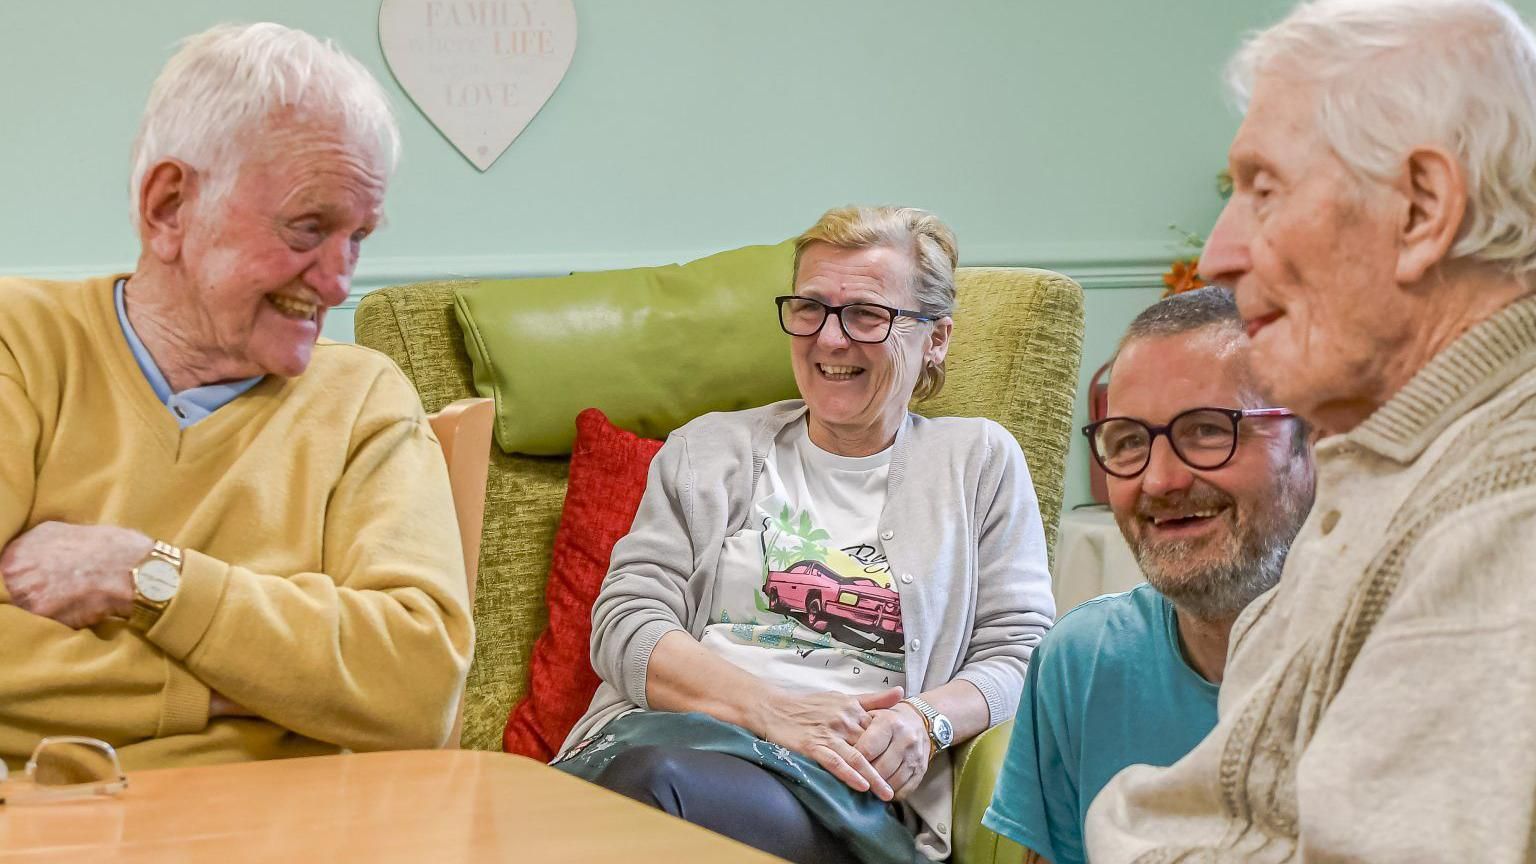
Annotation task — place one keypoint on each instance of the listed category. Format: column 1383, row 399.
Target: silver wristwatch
column 940, row 731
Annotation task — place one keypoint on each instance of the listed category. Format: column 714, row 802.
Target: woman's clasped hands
column 873, row 742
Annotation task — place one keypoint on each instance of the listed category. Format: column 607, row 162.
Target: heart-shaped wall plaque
column 479, row 69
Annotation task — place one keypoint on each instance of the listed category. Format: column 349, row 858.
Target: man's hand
column 896, row 742
column 78, row 575
column 824, row 727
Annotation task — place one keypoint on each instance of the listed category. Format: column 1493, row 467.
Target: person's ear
column 1435, row 189
column 165, row 204
column 938, row 341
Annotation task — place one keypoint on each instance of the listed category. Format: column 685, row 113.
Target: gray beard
column 1244, row 565
column 1220, row 590
column 1217, row 580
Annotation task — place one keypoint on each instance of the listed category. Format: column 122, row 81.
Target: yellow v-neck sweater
column 323, row 585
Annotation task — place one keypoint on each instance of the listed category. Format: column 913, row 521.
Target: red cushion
column 608, row 469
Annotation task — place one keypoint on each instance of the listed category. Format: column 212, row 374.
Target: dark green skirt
column 859, row 819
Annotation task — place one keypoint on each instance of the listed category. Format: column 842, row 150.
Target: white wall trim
column 1093, row 274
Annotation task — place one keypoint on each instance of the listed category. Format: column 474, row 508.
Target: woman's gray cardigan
column 961, row 530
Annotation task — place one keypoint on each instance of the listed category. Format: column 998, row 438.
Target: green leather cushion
column 655, row 336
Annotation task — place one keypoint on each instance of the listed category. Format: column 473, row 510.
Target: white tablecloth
column 1091, row 559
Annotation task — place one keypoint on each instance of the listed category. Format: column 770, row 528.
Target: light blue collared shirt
column 188, row 406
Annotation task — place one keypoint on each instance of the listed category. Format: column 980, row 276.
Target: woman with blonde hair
column 820, row 597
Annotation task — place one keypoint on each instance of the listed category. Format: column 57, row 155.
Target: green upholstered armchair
column 1013, row 357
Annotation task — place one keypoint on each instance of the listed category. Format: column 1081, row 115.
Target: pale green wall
column 1064, row 134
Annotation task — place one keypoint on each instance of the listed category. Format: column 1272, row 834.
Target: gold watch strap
column 146, row 611
column 144, row 615
column 167, row 553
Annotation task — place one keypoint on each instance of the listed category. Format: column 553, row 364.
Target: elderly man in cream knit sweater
column 1380, row 703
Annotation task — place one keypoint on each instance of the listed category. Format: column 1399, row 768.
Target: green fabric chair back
column 1014, row 358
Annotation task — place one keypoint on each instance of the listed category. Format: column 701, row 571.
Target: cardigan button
column 906, row 578
column 887, row 534
column 915, row 644
column 1330, row 521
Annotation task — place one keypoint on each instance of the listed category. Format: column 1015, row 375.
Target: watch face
column 943, row 731
column 157, row 580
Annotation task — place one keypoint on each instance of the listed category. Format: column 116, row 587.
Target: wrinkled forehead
column 320, row 162
column 1155, row 378
column 880, row 273
column 308, row 131
column 1281, row 113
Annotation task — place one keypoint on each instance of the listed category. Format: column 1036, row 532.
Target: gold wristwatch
column 155, row 582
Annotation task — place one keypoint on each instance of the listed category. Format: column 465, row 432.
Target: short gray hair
column 223, row 83
column 1398, row 74
column 1214, row 308
column 932, row 245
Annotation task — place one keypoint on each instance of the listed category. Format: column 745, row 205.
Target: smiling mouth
column 839, row 373
column 1180, row 523
column 1254, row 325
column 291, row 307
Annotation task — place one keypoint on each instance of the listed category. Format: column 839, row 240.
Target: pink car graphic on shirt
column 815, row 595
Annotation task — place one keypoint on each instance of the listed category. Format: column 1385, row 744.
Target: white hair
column 212, row 97
column 1394, row 75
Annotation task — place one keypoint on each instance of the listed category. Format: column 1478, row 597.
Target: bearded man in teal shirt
column 1209, row 485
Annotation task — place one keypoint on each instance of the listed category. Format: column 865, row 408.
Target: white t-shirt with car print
column 804, row 597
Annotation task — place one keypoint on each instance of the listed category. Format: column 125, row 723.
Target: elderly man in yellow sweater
column 224, row 538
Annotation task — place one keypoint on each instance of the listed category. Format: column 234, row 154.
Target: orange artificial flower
column 1183, row 275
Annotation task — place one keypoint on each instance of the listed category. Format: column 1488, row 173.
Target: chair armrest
column 976, row 767
column 463, row 429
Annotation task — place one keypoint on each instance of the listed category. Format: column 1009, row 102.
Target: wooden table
column 419, row 806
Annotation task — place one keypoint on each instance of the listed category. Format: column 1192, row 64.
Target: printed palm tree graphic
column 805, row 540
column 802, row 542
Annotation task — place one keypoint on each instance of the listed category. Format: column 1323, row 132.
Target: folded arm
column 56, row 679
column 370, row 654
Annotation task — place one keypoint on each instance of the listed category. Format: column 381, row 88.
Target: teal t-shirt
column 1107, row 688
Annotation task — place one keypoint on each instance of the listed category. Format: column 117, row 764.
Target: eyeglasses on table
column 65, row 768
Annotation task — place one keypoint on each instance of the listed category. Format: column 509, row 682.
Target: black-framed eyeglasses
column 1202, row 438
column 869, row 323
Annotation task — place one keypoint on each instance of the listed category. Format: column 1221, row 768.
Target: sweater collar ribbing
column 1477, row 365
